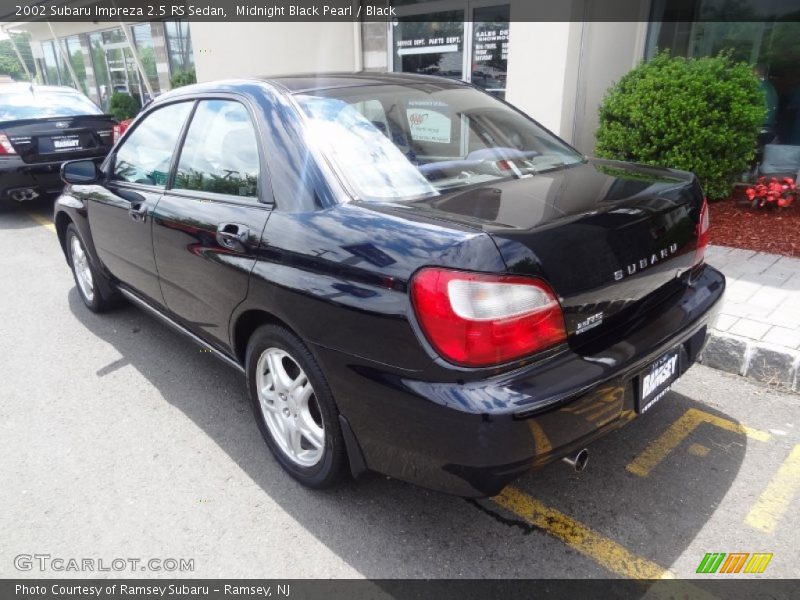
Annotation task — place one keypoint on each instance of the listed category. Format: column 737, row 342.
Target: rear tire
column 294, row 408
column 89, row 281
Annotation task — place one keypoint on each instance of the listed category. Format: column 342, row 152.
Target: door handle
column 138, row 211
column 233, row 236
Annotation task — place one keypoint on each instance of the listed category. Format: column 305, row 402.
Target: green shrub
column 123, row 106
column 182, row 78
column 701, row 115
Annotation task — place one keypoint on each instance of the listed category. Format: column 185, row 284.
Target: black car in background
column 415, row 277
column 40, row 128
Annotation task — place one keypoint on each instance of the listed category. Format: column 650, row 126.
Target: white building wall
column 224, row 50
column 559, row 73
column 541, row 77
column 609, row 50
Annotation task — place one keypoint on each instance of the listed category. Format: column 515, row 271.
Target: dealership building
column 557, row 71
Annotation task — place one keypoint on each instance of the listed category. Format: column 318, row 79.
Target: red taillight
column 703, row 234
column 5, row 145
column 120, row 129
column 474, row 319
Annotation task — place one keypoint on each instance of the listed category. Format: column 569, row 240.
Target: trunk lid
column 60, row 138
column 611, row 238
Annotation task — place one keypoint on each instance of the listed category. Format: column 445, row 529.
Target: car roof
column 307, row 82
column 21, row 87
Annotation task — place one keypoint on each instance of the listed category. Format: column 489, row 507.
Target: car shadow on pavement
column 386, row 528
column 17, row 215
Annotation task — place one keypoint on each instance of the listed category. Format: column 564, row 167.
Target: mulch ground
column 762, row 229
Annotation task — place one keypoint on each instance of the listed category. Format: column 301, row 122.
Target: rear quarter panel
column 339, row 277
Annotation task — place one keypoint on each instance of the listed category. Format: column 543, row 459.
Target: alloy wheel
column 83, row 272
column 289, row 407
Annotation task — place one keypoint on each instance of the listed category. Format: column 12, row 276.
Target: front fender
column 72, row 207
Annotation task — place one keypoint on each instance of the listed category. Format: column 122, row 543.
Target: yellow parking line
column 540, row 440
column 43, row 221
column 599, row 548
column 774, row 501
column 679, row 431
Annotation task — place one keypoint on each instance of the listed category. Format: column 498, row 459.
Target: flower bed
column 770, row 229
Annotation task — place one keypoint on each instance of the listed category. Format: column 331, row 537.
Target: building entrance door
column 123, row 76
column 461, row 39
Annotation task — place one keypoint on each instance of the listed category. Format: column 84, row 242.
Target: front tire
column 294, row 407
column 87, row 277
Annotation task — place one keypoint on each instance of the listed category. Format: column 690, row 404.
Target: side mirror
column 80, row 172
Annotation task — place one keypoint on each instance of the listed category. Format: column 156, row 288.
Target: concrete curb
column 774, row 365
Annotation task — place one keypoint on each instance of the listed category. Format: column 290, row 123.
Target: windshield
column 41, row 105
column 396, row 142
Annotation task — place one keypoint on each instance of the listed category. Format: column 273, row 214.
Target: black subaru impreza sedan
column 414, row 277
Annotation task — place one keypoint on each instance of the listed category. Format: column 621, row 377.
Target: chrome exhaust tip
column 578, row 461
column 23, row 194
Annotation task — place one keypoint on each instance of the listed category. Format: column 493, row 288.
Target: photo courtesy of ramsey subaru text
column 40, row 128
column 415, row 278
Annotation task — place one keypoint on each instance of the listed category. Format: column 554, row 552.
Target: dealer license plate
column 655, row 380
column 66, row 143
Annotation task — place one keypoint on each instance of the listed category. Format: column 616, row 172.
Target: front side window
column 395, row 142
column 145, row 156
column 220, row 153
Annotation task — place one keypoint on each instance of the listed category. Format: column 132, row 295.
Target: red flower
column 782, row 192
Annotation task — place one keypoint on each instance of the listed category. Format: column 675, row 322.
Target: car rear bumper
column 16, row 175
column 472, row 439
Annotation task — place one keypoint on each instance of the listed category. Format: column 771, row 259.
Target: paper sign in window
column 428, row 125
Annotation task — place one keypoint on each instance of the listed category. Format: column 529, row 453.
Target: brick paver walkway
column 758, row 333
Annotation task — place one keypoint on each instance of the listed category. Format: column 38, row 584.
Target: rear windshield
column 39, row 104
column 394, row 142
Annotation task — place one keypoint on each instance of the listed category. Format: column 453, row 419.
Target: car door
column 120, row 212
column 207, row 227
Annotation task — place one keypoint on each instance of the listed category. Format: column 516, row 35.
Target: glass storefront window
column 444, row 44
column 23, row 43
column 72, row 46
column 490, row 48
column 99, row 67
column 179, row 47
column 122, row 70
column 143, row 38
column 432, row 44
column 771, row 47
column 115, row 69
column 51, row 70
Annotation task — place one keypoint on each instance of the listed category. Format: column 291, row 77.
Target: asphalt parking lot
column 119, row 438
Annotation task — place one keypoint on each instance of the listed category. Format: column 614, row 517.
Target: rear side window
column 145, row 156
column 15, row 106
column 220, row 153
